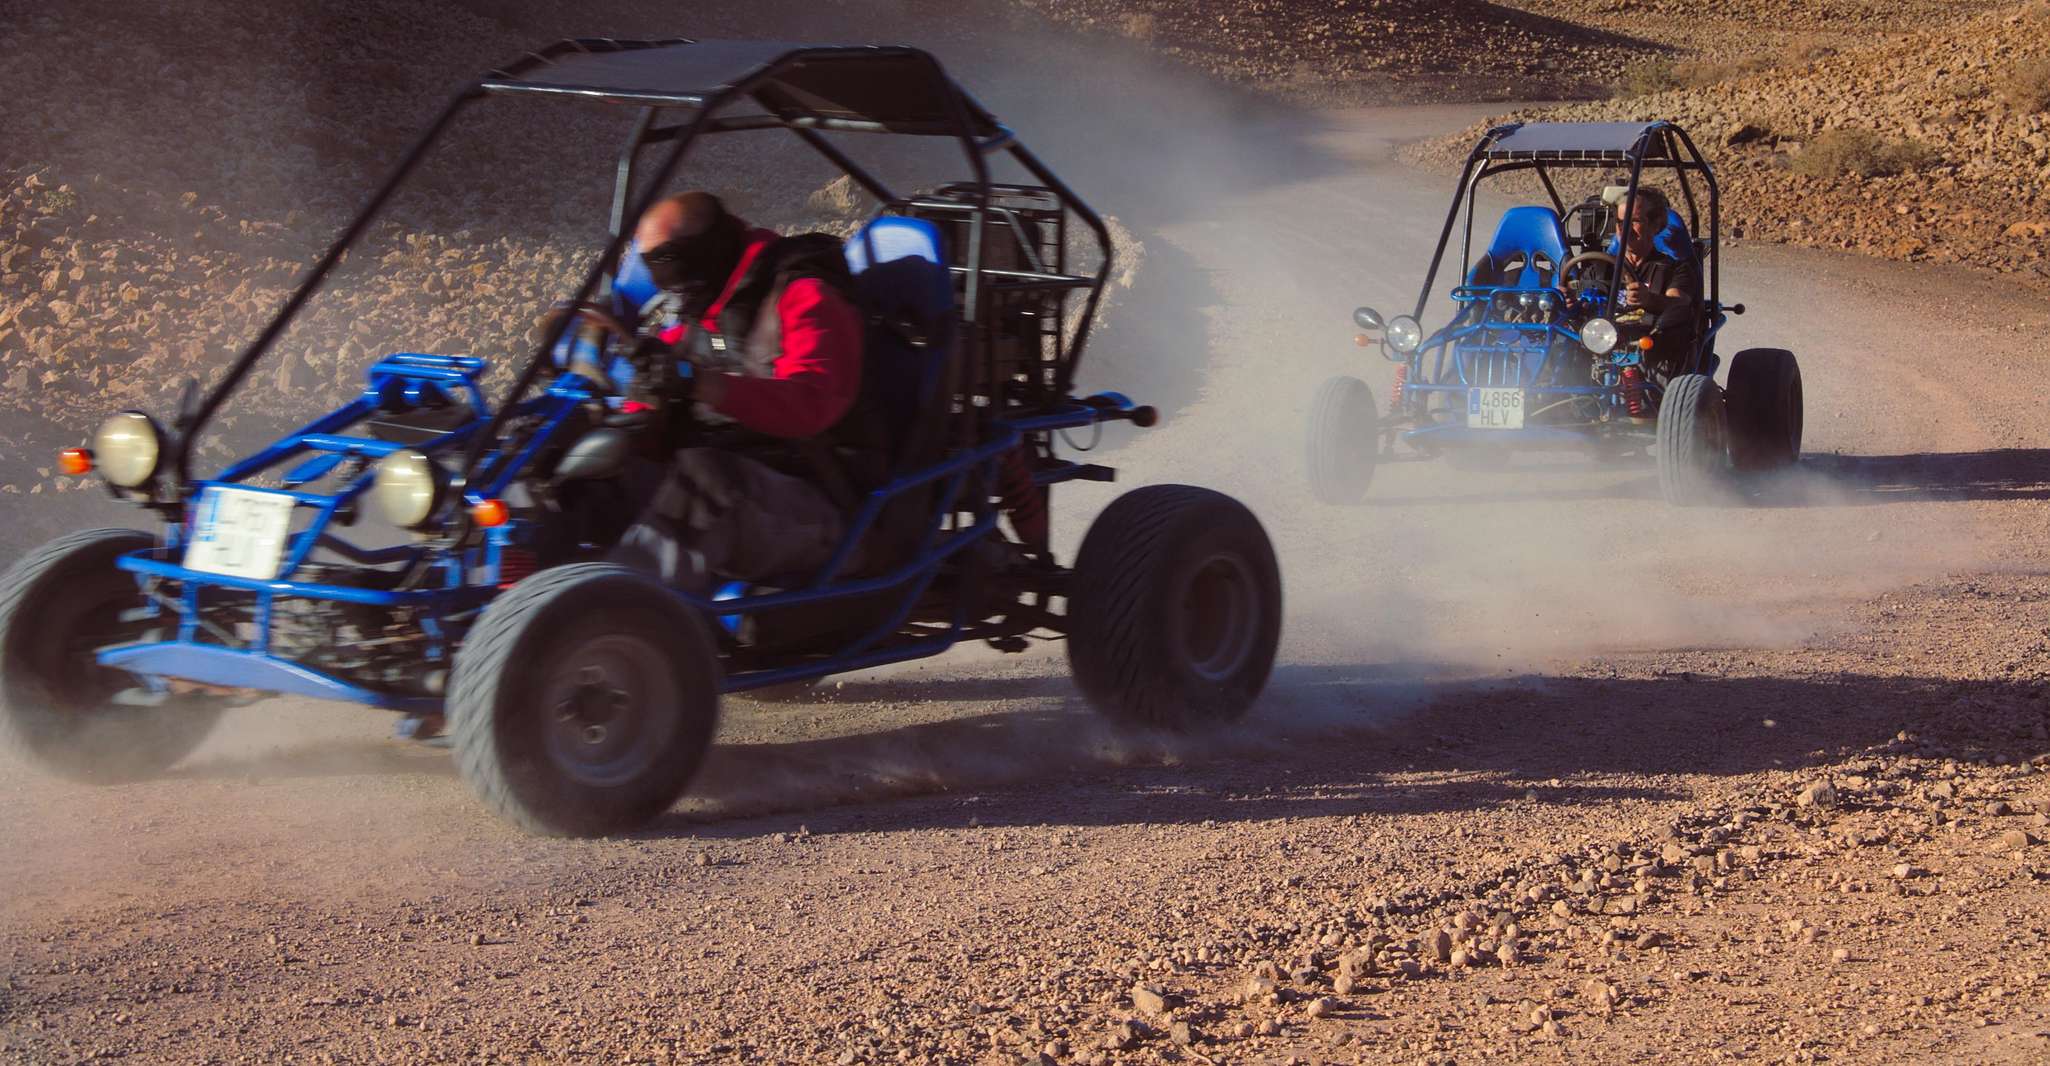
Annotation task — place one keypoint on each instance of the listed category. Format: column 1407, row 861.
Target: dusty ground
column 1584, row 736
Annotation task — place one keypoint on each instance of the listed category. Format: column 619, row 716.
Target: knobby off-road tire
column 584, row 700
column 1345, row 441
column 1176, row 609
column 1692, row 442
column 58, row 605
column 1765, row 410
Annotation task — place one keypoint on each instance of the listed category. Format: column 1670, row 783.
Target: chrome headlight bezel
column 128, row 449
column 1599, row 336
column 409, row 488
column 1405, row 334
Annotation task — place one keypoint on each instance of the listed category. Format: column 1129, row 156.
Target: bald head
column 683, row 215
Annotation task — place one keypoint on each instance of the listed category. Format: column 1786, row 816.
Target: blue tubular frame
column 1661, row 146
column 446, row 576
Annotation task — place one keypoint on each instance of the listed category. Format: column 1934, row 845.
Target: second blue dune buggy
column 580, row 695
column 1540, row 351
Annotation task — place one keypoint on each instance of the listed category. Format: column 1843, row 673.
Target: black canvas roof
column 859, row 87
column 1575, row 140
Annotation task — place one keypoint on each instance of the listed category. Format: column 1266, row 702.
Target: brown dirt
column 1534, row 697
column 1979, row 199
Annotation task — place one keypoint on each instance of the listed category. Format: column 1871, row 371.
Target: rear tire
column 1692, row 442
column 584, row 701
column 58, row 605
column 1765, row 410
column 1175, row 610
column 1345, row 441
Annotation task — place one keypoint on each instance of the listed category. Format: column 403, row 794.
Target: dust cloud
column 1261, row 226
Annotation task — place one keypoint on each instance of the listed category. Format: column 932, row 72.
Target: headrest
column 1529, row 233
column 900, row 267
column 1674, row 240
column 893, row 237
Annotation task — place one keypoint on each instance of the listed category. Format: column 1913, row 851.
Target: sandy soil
column 1550, row 771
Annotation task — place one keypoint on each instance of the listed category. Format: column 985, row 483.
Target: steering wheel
column 595, row 315
column 1571, row 270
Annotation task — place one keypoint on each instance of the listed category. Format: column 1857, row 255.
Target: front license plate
column 240, row 533
column 1494, row 408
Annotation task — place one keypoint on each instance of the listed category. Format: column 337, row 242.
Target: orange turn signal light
column 1362, row 339
column 1644, row 344
column 489, row 513
column 75, row 461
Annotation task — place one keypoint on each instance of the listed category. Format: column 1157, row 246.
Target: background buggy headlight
column 1404, row 334
column 1598, row 336
column 127, row 448
column 408, row 488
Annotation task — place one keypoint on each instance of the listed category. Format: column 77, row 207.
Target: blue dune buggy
column 580, row 696
column 1540, row 353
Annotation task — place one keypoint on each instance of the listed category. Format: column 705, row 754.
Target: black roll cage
column 1659, row 146
column 961, row 118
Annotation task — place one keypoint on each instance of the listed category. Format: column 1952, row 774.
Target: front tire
column 584, row 701
column 1692, row 442
column 1345, row 441
column 1175, row 610
column 59, row 605
column 1765, row 408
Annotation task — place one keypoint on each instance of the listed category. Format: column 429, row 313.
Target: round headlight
column 127, row 447
column 1404, row 334
column 1598, row 336
column 407, row 488
column 1524, row 300
column 1545, row 303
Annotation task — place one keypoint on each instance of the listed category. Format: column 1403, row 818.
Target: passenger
column 778, row 345
column 1665, row 288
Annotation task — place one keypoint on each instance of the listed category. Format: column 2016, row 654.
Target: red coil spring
column 1633, row 391
column 514, row 566
column 1395, row 392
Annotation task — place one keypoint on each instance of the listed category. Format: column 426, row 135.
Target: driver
column 1666, row 289
column 777, row 345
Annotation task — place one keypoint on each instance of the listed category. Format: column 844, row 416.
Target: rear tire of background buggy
column 57, row 605
column 1345, row 441
column 1175, row 609
column 1765, row 410
column 1692, row 442
column 583, row 702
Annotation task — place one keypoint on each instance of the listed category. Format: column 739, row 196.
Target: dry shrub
column 1656, row 74
column 1652, row 74
column 1141, row 26
column 1863, row 153
column 2026, row 85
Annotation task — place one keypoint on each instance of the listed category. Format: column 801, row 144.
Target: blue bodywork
column 1502, row 336
column 449, row 579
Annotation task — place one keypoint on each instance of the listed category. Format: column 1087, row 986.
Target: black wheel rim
column 610, row 710
column 1219, row 617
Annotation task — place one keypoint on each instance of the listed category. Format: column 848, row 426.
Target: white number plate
column 240, row 533
column 1494, row 408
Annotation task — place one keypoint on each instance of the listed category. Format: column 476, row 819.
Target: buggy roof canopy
column 1568, row 141
column 882, row 88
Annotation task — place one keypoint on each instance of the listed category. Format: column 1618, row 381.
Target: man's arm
column 815, row 379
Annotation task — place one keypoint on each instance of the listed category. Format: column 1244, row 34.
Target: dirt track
column 1491, row 684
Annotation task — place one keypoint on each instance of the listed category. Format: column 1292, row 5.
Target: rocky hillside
column 1933, row 146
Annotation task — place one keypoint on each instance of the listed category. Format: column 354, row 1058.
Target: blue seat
column 1674, row 240
column 900, row 272
column 1525, row 237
